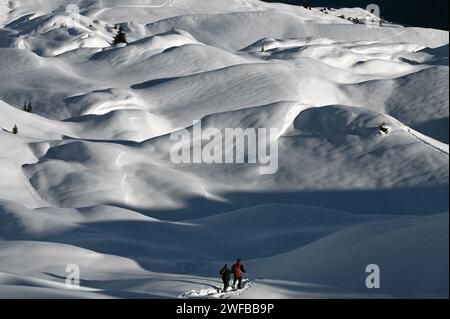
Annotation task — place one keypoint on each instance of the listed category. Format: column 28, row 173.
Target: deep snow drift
column 88, row 179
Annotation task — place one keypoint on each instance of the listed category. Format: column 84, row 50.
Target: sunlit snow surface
column 88, row 180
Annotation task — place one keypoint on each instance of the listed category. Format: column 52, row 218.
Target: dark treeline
column 428, row 14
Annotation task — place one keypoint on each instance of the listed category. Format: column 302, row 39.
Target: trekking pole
column 247, row 276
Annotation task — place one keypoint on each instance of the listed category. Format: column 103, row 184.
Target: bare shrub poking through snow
column 383, row 127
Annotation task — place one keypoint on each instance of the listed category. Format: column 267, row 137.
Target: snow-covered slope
column 89, row 180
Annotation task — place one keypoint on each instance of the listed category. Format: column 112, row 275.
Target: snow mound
column 340, row 120
column 146, row 47
column 121, row 124
column 221, row 31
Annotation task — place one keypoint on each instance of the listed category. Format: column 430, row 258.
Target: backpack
column 237, row 270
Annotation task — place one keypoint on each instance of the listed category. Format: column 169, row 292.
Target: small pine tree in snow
column 27, row 107
column 120, row 37
column 15, row 130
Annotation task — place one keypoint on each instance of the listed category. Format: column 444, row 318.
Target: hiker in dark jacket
column 225, row 272
column 237, row 270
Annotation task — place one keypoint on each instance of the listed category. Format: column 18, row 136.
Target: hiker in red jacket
column 237, row 270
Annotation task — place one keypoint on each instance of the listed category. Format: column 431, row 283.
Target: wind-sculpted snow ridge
column 359, row 173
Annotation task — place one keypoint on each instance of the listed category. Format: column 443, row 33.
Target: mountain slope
column 355, row 172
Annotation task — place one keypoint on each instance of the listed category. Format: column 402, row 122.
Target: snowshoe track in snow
column 216, row 292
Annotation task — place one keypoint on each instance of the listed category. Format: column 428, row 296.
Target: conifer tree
column 120, row 37
column 27, row 107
